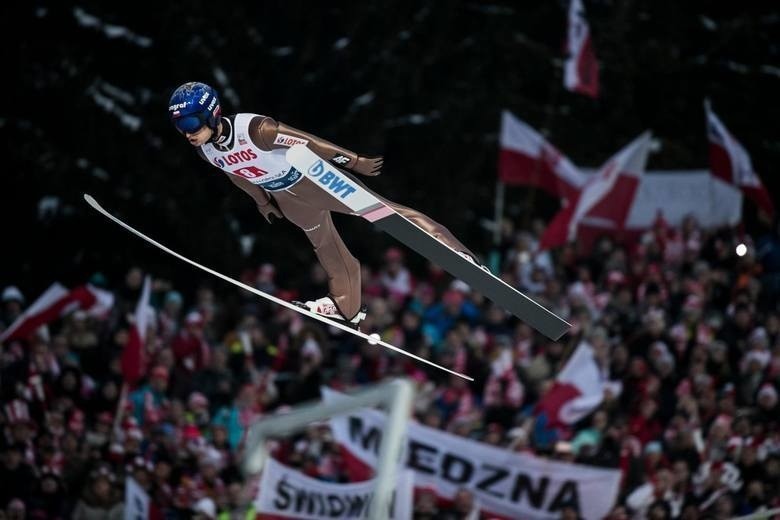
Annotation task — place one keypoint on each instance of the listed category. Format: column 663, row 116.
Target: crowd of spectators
column 688, row 330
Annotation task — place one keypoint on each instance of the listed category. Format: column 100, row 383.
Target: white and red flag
column 526, row 158
column 606, row 199
column 133, row 356
column 730, row 162
column 577, row 391
column 56, row 302
column 581, row 70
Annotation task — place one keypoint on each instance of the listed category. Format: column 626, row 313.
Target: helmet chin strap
column 218, row 137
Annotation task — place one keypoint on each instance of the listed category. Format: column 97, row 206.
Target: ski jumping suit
column 251, row 151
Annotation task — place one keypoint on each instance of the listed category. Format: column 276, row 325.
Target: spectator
column 16, row 474
column 149, row 401
column 190, row 347
column 12, row 301
column 101, row 498
column 16, row 510
column 170, row 316
column 464, row 507
column 395, row 277
column 49, row 498
column 686, row 331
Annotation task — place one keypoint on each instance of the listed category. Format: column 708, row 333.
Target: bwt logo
column 331, row 181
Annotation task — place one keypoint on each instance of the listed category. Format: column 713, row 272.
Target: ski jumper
column 251, row 151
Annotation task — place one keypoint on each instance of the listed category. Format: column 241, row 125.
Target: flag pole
column 498, row 216
column 119, row 410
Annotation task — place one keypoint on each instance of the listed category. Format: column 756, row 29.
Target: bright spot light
column 741, row 250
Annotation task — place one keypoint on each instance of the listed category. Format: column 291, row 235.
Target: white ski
column 372, row 340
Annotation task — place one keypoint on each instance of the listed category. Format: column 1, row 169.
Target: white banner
column 505, row 483
column 136, row 501
column 289, row 493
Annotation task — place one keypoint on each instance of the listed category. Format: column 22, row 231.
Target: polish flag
column 606, row 199
column 730, row 162
column 133, row 362
column 526, row 158
column 581, row 70
column 576, row 392
column 56, row 302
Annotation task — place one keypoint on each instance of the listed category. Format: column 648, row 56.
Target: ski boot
column 326, row 308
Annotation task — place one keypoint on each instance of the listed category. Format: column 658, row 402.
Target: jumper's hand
column 270, row 211
column 370, row 166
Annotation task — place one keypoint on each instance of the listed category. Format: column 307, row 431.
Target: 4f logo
column 340, row 159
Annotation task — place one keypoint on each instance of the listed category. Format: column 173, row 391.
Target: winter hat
column 653, row 447
column 461, row 286
column 759, row 335
column 12, row 293
column 198, row 400
column 616, row 277
column 206, row 506
column 194, row 318
column 767, row 390
column 173, row 297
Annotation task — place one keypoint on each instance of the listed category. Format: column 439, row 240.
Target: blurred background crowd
column 689, row 330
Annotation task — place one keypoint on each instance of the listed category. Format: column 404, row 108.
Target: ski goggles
column 190, row 124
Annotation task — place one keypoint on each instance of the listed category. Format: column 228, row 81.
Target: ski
column 372, row 340
column 367, row 205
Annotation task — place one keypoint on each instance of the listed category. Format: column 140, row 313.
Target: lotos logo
column 289, row 140
column 235, row 158
column 203, row 98
column 331, row 181
column 177, row 106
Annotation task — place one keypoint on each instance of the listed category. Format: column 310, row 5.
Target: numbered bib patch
column 250, row 172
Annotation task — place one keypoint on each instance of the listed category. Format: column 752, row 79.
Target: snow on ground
column 771, row 70
column 109, row 98
column 491, row 9
column 225, row 89
column 412, row 119
column 739, row 68
column 282, row 51
column 96, row 171
column 111, row 31
column 362, row 100
column 708, row 23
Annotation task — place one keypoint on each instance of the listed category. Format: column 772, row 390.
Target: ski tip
column 91, row 200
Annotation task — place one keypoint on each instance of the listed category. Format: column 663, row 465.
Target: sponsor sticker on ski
column 332, row 181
